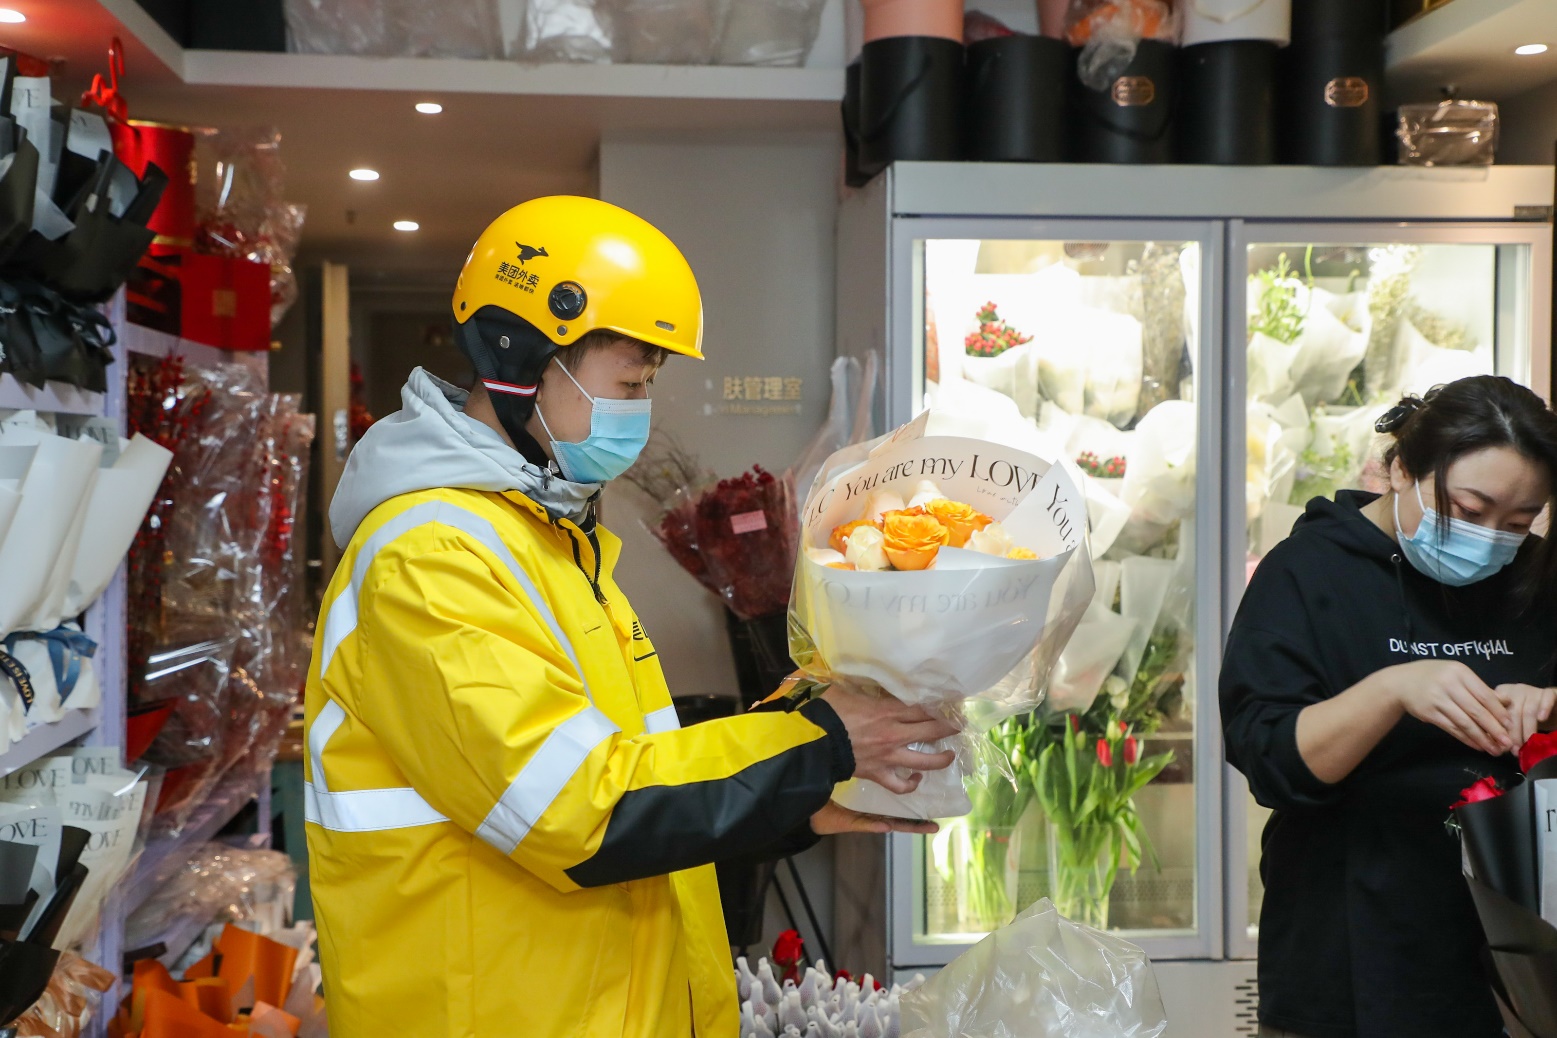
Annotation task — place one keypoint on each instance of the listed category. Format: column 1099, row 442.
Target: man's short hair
column 603, row 338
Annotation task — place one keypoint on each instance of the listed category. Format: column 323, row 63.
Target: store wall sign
column 1134, row 91
column 1346, row 92
column 767, row 395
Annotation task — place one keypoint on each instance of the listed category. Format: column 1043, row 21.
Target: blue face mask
column 618, row 432
column 1460, row 554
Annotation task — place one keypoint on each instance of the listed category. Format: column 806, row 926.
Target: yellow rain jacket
column 508, row 832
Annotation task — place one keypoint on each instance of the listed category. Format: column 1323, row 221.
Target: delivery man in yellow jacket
column 509, row 833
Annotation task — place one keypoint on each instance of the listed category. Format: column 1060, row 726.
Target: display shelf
column 46, row 738
column 151, row 343
column 165, row 856
column 54, row 396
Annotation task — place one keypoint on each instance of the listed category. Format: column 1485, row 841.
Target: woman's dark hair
column 1473, row 414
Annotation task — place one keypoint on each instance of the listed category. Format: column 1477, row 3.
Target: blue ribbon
column 12, row 668
column 68, row 648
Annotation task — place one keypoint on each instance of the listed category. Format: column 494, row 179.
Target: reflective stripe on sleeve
column 662, row 720
column 362, row 810
column 542, row 778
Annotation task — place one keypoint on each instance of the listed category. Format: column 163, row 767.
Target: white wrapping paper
column 109, row 808
column 56, row 475
column 1211, row 21
column 113, row 514
column 971, row 627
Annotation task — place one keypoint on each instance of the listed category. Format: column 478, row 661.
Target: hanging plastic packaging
column 973, row 634
column 666, row 32
column 1042, row 976
column 562, row 30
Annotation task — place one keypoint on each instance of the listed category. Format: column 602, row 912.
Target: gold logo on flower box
column 1134, row 91
column 1346, row 92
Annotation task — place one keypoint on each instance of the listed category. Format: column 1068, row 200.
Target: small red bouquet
column 736, row 536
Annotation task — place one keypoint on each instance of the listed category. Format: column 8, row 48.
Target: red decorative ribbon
column 106, row 95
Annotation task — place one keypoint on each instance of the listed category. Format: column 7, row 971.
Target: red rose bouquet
column 1511, row 865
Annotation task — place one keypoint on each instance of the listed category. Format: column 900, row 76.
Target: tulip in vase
column 1087, row 787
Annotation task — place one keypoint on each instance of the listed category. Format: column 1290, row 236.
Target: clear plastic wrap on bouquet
column 972, row 638
column 1042, row 976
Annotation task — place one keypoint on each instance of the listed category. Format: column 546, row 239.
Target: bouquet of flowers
column 1511, row 866
column 959, row 598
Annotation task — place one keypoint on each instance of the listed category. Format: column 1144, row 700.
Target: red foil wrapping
column 172, row 149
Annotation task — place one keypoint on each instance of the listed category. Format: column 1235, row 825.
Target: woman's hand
column 1448, row 695
column 1529, row 707
column 835, row 818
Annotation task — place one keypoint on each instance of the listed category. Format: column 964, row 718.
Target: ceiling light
column 364, row 174
column 429, row 107
column 11, row 17
column 407, row 225
column 1531, row 48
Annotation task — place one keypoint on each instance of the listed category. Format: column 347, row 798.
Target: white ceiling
column 1470, row 44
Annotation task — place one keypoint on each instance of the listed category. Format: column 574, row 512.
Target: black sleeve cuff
column 820, row 713
column 1304, row 786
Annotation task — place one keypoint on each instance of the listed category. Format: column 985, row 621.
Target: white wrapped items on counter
column 1042, row 976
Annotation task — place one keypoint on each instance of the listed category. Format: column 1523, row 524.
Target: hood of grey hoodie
column 429, row 443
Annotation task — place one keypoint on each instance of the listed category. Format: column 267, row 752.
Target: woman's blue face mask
column 618, row 432
column 1457, row 552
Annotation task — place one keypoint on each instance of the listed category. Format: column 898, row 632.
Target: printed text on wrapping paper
column 898, row 604
column 1002, row 474
column 1451, row 650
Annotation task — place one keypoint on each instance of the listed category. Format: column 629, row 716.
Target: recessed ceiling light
column 11, row 17
column 364, row 174
column 1531, row 48
column 407, row 225
column 429, row 107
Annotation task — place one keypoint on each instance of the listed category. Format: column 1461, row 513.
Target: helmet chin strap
column 513, row 410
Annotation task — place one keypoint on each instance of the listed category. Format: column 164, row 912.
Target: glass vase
column 988, row 866
column 1083, row 864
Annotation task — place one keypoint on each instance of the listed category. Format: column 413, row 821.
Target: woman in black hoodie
column 1391, row 651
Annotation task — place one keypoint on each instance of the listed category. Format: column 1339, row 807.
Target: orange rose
column 1025, row 554
column 913, row 541
column 961, row 521
column 849, row 566
column 839, row 541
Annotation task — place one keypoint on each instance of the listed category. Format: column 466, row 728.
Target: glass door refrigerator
column 1209, row 347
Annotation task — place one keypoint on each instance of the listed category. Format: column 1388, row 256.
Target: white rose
column 992, row 540
column 924, row 493
column 865, row 550
column 881, row 502
column 824, row 556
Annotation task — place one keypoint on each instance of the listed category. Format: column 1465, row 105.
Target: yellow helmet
column 568, row 266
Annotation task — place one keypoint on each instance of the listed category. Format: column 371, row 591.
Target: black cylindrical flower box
column 1131, row 121
column 910, row 101
column 1328, row 112
column 1016, row 99
column 1328, row 19
column 1227, row 103
column 853, row 174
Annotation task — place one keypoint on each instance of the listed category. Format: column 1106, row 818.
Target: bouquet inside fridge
column 217, row 654
column 948, row 572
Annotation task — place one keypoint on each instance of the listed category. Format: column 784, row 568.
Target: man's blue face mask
column 618, row 432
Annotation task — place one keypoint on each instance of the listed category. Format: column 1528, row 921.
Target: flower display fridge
column 1209, row 347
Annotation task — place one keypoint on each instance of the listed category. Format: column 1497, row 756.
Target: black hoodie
column 1367, row 928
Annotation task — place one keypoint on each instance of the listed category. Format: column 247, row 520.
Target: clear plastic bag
column 666, row 32
column 1109, row 31
column 338, row 27
column 1452, row 133
column 1042, row 976
column 218, row 884
column 769, row 32
column 563, row 30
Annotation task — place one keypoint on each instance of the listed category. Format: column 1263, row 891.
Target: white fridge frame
column 880, row 292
